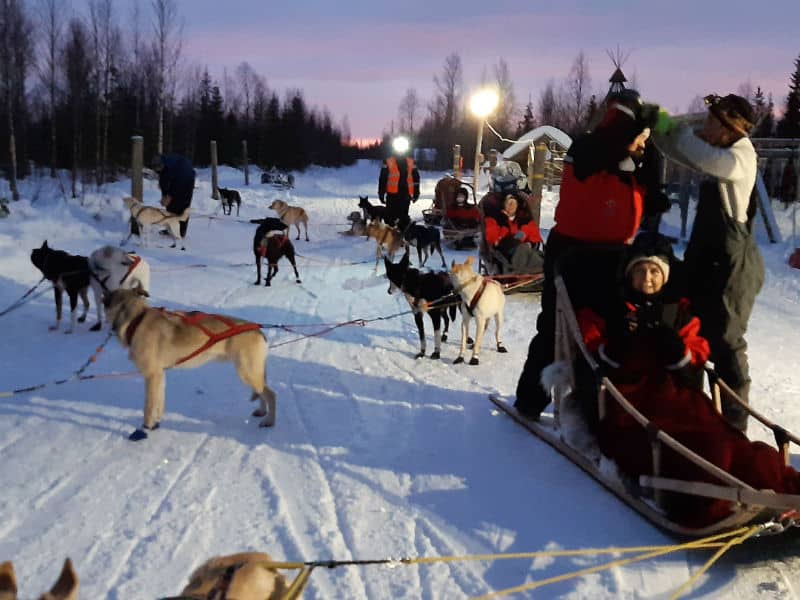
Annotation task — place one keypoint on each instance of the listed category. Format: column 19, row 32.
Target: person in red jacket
column 603, row 197
column 513, row 232
column 650, row 348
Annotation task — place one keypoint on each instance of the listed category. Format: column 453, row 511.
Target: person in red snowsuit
column 650, row 348
column 513, row 232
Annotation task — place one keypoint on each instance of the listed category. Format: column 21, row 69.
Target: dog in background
column 387, row 238
column 68, row 273
column 112, row 268
column 426, row 239
column 228, row 198
column 421, row 289
column 372, row 212
column 244, row 576
column 65, row 587
column 158, row 339
column 482, row 299
column 271, row 242
column 291, row 215
column 149, row 216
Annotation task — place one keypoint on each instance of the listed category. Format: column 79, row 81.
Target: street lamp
column 482, row 104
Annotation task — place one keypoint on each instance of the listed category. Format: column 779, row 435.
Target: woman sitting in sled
column 651, row 350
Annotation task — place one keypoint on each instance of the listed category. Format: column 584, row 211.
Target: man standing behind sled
column 724, row 266
column 398, row 182
column 176, row 181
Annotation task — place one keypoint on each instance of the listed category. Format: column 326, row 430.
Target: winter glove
column 656, row 202
column 669, row 345
column 520, row 235
column 664, row 123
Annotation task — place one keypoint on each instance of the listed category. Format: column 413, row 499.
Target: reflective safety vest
column 393, row 180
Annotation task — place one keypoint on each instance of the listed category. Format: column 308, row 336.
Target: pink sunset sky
column 358, row 58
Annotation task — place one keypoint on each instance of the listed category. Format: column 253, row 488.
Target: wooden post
column 536, row 180
column 137, row 163
column 478, row 157
column 246, row 170
column 457, row 160
column 214, row 188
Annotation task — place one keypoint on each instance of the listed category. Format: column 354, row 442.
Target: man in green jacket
column 724, row 266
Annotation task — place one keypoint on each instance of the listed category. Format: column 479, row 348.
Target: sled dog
column 243, row 576
column 113, row 268
column 158, row 339
column 373, row 212
column 271, row 242
column 65, row 587
column 68, row 273
column 427, row 239
column 291, row 215
column 230, row 197
column 386, row 237
column 481, row 298
column 149, row 216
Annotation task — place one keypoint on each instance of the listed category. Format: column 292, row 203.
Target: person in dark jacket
column 651, row 347
column 723, row 263
column 176, row 181
column 603, row 197
column 398, row 185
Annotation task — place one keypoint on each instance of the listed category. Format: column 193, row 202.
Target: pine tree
column 528, row 121
column 789, row 125
column 765, row 122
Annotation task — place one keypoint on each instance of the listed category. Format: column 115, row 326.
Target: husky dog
column 229, row 197
column 68, row 273
column 112, row 268
column 65, row 588
column 373, row 212
column 482, row 298
column 419, row 290
column 149, row 216
column 243, row 576
column 158, row 339
column 426, row 239
column 271, row 242
column 291, row 215
column 387, row 238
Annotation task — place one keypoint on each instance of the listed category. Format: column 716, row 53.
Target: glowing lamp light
column 483, row 102
column 400, row 144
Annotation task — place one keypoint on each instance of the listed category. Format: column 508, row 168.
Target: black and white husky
column 420, row 290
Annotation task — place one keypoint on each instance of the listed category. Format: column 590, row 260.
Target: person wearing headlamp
column 724, row 266
column 398, row 182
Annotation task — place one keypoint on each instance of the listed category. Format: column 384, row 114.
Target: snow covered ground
column 374, row 454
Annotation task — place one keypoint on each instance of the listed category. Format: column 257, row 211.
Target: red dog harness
column 136, row 260
column 194, row 319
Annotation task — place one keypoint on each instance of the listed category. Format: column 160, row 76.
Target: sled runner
column 651, row 494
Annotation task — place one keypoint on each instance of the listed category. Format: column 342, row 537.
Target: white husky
column 481, row 298
column 151, row 216
column 113, row 268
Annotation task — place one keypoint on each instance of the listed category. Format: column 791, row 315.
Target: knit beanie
column 662, row 262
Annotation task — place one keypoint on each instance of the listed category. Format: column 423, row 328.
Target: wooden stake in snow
column 214, row 188
column 137, row 162
column 244, row 158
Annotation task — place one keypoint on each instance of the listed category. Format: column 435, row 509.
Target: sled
column 278, row 179
column 456, row 234
column 749, row 506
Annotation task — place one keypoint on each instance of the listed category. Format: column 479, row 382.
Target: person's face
column 510, row 205
column 461, row 199
column 647, row 278
column 636, row 147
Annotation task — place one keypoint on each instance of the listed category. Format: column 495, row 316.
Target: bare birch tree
column 449, row 90
column 50, row 13
column 578, row 90
column 167, row 44
column 408, row 110
column 505, row 118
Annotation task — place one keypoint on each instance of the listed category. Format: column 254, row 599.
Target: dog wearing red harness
column 159, row 339
column 112, row 268
column 271, row 242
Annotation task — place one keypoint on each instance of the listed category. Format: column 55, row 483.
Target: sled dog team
column 158, row 339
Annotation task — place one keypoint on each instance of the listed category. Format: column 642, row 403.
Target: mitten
column 520, row 235
column 664, row 123
column 670, row 347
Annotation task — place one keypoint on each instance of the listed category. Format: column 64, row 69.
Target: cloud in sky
column 358, row 58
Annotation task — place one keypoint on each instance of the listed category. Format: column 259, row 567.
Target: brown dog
column 291, row 215
column 387, row 237
column 243, row 576
column 65, row 588
column 158, row 339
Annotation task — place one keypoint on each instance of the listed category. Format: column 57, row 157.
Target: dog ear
column 8, row 580
column 470, row 260
column 139, row 289
column 44, row 244
column 66, row 587
column 453, row 264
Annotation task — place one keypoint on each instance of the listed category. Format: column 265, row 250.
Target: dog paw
column 501, row 349
column 258, row 413
column 298, row 281
column 267, row 422
column 436, row 355
column 257, row 282
column 444, row 337
column 53, row 328
column 67, row 332
column 82, row 319
column 174, row 246
column 95, row 327
column 419, row 355
column 474, row 360
column 459, row 360
column 138, row 435
column 268, row 284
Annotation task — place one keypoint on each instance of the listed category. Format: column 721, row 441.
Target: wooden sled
column 750, row 506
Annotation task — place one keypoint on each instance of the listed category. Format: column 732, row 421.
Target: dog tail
column 185, row 214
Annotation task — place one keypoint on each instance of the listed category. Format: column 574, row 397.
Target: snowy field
column 374, row 454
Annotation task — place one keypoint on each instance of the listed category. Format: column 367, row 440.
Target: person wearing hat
column 398, row 182
column 650, row 346
column 724, row 266
column 176, row 181
column 602, row 200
